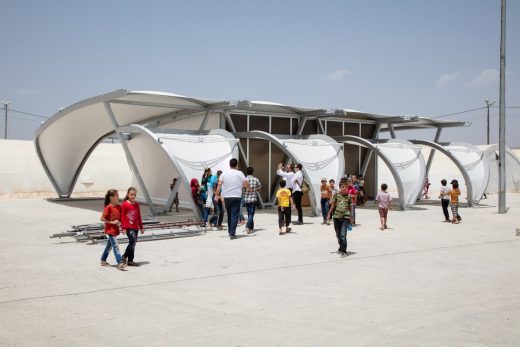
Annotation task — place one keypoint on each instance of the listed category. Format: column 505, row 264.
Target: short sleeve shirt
column 283, row 195
column 254, row 183
column 112, row 213
column 232, row 183
column 342, row 205
column 383, row 199
column 454, row 193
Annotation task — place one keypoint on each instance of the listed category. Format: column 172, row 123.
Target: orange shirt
column 325, row 191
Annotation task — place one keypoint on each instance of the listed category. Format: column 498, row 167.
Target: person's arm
column 139, row 219
column 293, row 205
column 259, row 185
column 105, row 216
column 219, row 187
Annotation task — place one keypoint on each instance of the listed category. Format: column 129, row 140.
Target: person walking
column 287, row 175
column 250, row 198
column 284, row 205
column 176, row 198
column 131, row 223
column 459, row 218
column 111, row 216
column 384, row 203
column 454, row 195
column 218, row 204
column 297, row 182
column 445, row 199
column 341, row 212
column 230, row 185
column 325, row 200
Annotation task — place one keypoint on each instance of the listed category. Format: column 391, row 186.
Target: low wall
column 21, row 171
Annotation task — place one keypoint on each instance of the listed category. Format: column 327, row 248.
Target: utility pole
column 6, row 103
column 502, row 114
column 488, row 105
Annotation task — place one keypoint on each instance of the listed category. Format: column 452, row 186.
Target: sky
column 426, row 58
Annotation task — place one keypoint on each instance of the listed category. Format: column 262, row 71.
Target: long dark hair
column 110, row 193
column 128, row 192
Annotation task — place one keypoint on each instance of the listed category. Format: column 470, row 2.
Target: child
column 196, row 190
column 285, row 201
column 454, row 195
column 130, row 222
column 445, row 199
column 111, row 217
column 353, row 194
column 384, row 202
column 340, row 210
column 325, row 199
column 333, row 189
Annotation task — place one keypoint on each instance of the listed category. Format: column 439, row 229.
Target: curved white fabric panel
column 194, row 153
column 320, row 157
column 475, row 164
column 408, row 161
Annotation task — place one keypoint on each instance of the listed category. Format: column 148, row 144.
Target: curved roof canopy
column 65, row 141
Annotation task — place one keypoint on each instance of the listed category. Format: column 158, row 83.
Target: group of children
column 124, row 218
column 450, row 196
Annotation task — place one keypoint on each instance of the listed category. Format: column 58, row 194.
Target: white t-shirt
column 444, row 190
column 297, row 181
column 287, row 176
column 232, row 183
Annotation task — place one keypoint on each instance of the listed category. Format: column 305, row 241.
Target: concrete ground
column 420, row 283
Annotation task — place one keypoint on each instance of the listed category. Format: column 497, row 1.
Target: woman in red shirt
column 130, row 222
column 111, row 217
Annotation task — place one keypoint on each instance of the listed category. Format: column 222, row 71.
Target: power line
column 27, row 113
column 454, row 113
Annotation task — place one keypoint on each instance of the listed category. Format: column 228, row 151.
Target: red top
column 131, row 216
column 112, row 213
column 353, row 192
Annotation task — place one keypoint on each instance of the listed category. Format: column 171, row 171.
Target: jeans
column 341, row 225
column 207, row 211
column 233, row 211
column 241, row 216
column 297, row 196
column 111, row 244
column 284, row 216
column 220, row 207
column 132, row 240
column 251, row 208
column 324, row 208
column 445, row 203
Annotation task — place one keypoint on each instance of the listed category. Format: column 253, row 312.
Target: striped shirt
column 254, row 183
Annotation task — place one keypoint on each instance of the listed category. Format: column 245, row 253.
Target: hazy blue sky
column 393, row 57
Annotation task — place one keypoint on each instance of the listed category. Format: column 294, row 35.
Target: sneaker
column 249, row 231
column 121, row 266
column 104, row 263
column 281, row 233
column 220, row 227
column 343, row 254
column 133, row 263
column 233, row 237
column 288, row 230
column 328, row 222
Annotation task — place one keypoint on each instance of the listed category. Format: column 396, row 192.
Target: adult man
column 286, row 175
column 231, row 184
column 250, row 198
column 297, row 182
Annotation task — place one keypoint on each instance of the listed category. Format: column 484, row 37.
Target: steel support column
column 129, row 157
column 368, row 155
column 432, row 151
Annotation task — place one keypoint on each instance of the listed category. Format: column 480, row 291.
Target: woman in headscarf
column 196, row 190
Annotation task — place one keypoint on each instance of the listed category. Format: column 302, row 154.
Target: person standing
column 340, row 210
column 445, row 199
column 353, row 194
column 384, row 203
column 218, row 204
column 297, row 182
column 325, row 200
column 176, row 198
column 250, row 198
column 111, row 216
column 230, row 185
column 459, row 218
column 284, row 205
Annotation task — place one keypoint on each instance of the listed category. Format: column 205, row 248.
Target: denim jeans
column 324, row 208
column 240, row 211
column 111, row 244
column 207, row 211
column 341, row 225
column 132, row 240
column 220, row 207
column 297, row 196
column 251, row 208
column 233, row 211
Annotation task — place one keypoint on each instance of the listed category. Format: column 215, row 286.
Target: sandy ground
column 422, row 282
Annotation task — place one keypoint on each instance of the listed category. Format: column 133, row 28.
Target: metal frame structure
column 279, row 141
column 372, row 145
column 65, row 141
column 470, row 189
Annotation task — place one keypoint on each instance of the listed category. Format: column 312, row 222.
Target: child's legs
column 382, row 216
column 106, row 251
column 287, row 213
column 353, row 214
column 386, row 216
column 445, row 204
column 281, row 215
column 340, row 226
column 455, row 210
column 324, row 208
column 112, row 240
column 132, row 240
